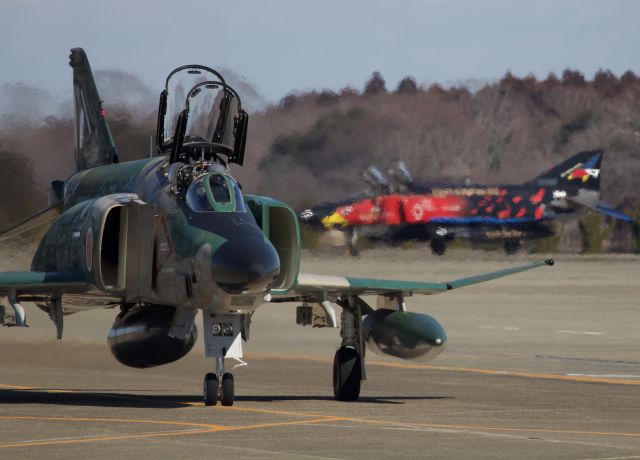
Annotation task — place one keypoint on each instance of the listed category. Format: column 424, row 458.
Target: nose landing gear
column 222, row 340
column 215, row 388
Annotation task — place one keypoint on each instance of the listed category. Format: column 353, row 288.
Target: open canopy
column 199, row 116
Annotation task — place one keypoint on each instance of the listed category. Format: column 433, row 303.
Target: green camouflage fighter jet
column 165, row 236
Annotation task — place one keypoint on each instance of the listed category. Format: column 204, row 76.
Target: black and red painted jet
column 508, row 213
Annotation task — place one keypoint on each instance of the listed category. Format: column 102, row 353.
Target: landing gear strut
column 352, row 242
column 348, row 363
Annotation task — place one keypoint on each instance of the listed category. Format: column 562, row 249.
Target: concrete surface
column 541, row 364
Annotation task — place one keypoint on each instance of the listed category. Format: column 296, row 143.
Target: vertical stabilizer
column 581, row 171
column 94, row 142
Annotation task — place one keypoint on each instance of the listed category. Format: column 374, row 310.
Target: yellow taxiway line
column 203, row 428
column 198, row 428
column 373, row 421
column 470, row 370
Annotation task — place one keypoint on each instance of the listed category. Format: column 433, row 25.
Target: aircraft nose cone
column 244, row 265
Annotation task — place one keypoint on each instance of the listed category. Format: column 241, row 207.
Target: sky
column 295, row 45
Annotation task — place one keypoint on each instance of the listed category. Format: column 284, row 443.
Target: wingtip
column 549, row 262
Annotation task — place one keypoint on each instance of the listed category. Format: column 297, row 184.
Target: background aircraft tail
column 94, row 142
column 579, row 177
column 581, row 171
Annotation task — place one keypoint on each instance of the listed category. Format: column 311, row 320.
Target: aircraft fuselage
column 218, row 260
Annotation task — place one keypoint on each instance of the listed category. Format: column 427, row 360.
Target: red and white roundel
column 417, row 211
column 88, row 256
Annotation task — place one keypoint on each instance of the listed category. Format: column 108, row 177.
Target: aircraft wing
column 45, row 216
column 311, row 286
column 34, row 283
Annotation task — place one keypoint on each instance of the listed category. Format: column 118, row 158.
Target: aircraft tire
column 511, row 246
column 346, row 374
column 438, row 246
column 227, row 390
column 210, row 389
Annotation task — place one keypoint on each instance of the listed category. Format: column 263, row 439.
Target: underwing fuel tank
column 404, row 334
column 140, row 337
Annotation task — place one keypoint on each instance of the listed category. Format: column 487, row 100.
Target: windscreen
column 215, row 192
column 212, row 111
column 197, row 198
column 178, row 86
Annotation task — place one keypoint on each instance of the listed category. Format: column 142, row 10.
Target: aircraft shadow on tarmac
column 93, row 398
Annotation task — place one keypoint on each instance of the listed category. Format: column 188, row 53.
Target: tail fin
column 94, row 142
column 581, row 171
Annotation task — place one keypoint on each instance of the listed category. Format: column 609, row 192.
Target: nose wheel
column 210, row 389
column 216, row 388
column 226, row 390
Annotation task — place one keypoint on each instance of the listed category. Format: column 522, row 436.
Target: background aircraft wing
column 315, row 286
column 608, row 210
column 603, row 208
column 481, row 220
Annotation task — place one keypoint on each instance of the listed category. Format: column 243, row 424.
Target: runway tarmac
column 542, row 364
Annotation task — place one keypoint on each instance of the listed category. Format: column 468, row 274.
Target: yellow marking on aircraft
column 334, row 220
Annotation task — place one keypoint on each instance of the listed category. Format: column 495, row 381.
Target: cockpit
column 200, row 118
column 201, row 129
column 214, row 192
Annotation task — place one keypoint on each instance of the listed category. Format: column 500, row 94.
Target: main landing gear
column 438, row 246
column 512, row 246
column 347, row 374
column 352, row 242
column 348, row 363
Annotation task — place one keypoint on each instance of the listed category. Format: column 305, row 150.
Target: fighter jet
column 402, row 210
column 163, row 237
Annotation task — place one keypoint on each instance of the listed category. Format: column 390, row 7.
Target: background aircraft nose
column 245, row 265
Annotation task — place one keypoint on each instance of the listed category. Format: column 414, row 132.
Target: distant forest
column 311, row 146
